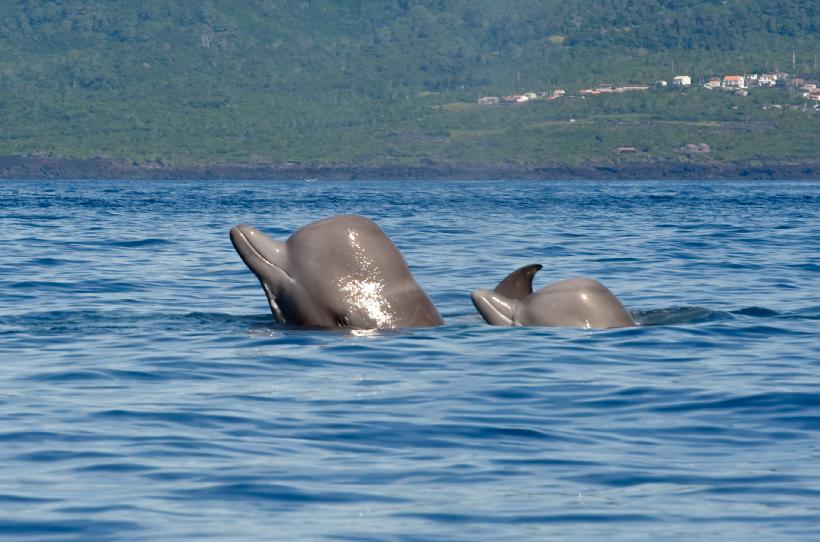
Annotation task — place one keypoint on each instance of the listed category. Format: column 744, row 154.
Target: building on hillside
column 626, row 150
column 682, row 81
column 531, row 95
column 767, row 80
column 631, row 88
column 734, row 81
column 712, row 83
column 489, row 100
column 557, row 93
column 604, row 88
column 661, row 83
column 692, row 148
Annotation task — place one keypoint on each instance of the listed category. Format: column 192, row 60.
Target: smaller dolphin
column 575, row 302
column 342, row 271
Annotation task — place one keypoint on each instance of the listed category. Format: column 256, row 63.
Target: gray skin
column 575, row 302
column 338, row 272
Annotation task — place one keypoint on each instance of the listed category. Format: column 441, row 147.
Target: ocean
column 147, row 394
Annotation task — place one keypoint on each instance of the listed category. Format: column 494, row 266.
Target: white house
column 631, row 87
column 734, row 81
column 767, row 80
column 682, row 81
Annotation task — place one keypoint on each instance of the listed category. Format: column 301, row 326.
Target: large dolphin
column 576, row 302
column 342, row 271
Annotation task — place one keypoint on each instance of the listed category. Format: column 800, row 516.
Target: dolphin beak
column 256, row 249
column 496, row 309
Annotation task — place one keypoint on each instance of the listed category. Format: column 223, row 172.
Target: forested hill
column 218, row 80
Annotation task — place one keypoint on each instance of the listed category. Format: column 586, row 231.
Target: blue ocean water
column 146, row 394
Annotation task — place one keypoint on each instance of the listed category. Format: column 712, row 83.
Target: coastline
column 25, row 167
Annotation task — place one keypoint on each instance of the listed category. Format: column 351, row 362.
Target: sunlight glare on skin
column 368, row 296
column 368, row 293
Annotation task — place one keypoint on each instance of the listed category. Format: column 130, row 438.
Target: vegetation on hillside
column 393, row 81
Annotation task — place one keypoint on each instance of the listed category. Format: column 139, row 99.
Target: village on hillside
column 738, row 85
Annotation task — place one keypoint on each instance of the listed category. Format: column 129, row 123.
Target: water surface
column 146, row 393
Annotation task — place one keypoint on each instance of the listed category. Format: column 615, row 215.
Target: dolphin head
column 268, row 258
column 496, row 309
column 341, row 271
column 499, row 307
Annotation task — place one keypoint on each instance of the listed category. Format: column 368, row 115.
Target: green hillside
column 395, row 81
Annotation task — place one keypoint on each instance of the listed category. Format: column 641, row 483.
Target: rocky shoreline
column 25, row 167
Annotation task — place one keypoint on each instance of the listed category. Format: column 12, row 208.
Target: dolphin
column 575, row 302
column 342, row 271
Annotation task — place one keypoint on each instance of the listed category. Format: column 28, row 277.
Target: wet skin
column 342, row 271
column 576, row 302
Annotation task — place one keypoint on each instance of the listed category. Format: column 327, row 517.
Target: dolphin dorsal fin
column 518, row 284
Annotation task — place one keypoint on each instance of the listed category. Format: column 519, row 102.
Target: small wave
column 756, row 311
column 74, row 287
column 51, row 262
column 83, row 321
column 591, row 517
column 809, row 313
column 697, row 315
column 137, row 243
column 24, row 499
column 678, row 315
column 279, row 493
column 87, row 375
column 87, row 529
column 36, row 217
column 778, row 403
column 662, row 197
